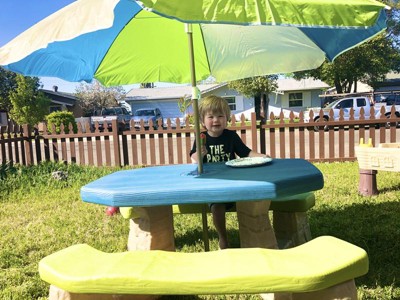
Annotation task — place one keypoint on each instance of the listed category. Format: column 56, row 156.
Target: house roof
column 162, row 93
column 290, row 84
column 60, row 98
column 168, row 92
column 393, row 76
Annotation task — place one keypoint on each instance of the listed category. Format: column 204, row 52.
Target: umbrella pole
column 195, row 98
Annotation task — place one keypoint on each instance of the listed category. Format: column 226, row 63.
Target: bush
column 61, row 117
column 6, row 168
column 190, row 116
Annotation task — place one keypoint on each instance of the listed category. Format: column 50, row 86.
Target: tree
column 393, row 23
column 183, row 105
column 368, row 63
column 94, row 96
column 7, row 84
column 29, row 105
column 258, row 87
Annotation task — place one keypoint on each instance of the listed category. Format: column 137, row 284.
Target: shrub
column 6, row 168
column 190, row 116
column 61, row 117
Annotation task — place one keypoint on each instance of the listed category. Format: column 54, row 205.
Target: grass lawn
column 40, row 215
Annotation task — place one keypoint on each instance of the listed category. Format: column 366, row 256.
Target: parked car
column 104, row 116
column 346, row 104
column 147, row 115
column 392, row 99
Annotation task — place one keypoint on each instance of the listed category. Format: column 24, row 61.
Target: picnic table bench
column 323, row 268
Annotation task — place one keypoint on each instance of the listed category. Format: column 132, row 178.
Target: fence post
column 37, row 145
column 263, row 143
column 2, row 145
column 115, row 135
column 254, row 132
column 26, row 133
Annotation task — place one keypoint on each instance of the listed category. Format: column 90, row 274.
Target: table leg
column 291, row 228
column 367, row 183
column 255, row 228
column 153, row 229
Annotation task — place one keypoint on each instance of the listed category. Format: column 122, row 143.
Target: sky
column 18, row 15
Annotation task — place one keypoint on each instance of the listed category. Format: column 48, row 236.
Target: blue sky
column 18, row 15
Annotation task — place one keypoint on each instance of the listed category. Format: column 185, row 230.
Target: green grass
column 40, row 215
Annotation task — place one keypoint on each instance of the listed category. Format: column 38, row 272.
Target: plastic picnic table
column 153, row 191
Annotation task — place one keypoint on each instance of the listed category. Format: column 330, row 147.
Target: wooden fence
column 279, row 137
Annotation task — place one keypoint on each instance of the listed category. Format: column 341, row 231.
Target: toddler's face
column 215, row 123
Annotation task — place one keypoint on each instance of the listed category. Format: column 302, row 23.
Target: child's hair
column 215, row 105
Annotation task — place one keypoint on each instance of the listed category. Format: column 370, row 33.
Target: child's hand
column 203, row 151
column 202, row 139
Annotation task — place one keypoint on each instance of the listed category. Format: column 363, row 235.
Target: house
column 390, row 85
column 63, row 101
column 59, row 101
column 291, row 95
column 166, row 98
column 296, row 95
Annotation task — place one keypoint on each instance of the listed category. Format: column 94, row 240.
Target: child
column 221, row 145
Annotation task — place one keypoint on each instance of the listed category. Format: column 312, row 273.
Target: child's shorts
column 228, row 205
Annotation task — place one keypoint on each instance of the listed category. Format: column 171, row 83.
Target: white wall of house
column 169, row 107
column 281, row 102
column 241, row 104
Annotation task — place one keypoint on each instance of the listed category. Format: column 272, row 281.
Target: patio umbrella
column 119, row 42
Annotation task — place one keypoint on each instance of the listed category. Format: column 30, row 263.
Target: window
column 231, row 102
column 361, row 102
column 393, row 100
column 108, row 112
column 347, row 103
column 295, row 99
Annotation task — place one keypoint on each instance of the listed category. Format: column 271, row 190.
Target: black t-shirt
column 223, row 148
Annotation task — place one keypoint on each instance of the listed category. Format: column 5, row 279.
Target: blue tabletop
column 180, row 184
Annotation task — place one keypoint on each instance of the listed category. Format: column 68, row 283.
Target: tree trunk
column 264, row 111
column 338, row 84
column 257, row 106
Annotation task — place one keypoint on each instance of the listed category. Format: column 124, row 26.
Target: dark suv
column 393, row 99
column 104, row 116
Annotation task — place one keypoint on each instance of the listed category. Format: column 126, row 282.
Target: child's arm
column 194, row 157
column 256, row 154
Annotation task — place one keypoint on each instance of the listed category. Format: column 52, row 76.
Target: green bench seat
column 320, row 266
column 290, row 219
column 296, row 203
